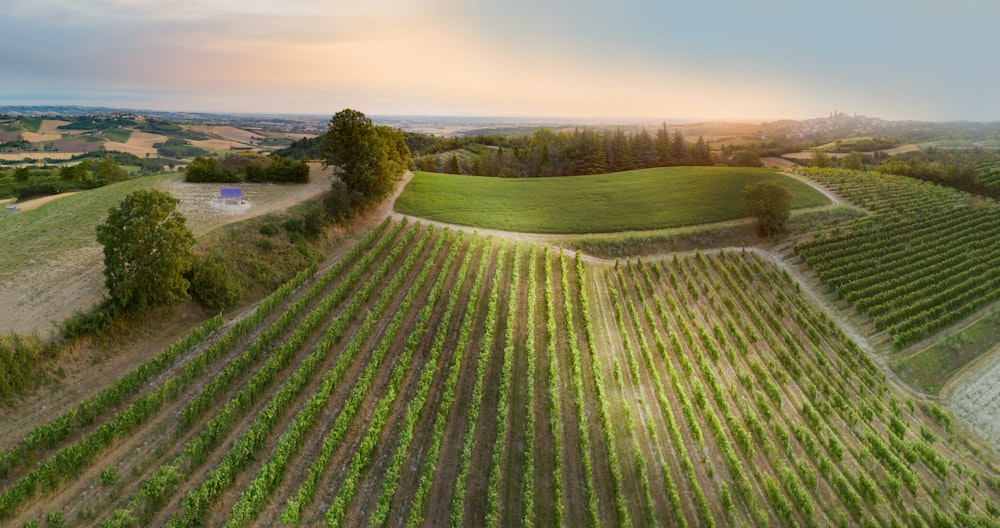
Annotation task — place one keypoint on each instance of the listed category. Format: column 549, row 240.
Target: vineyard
column 433, row 377
column 925, row 259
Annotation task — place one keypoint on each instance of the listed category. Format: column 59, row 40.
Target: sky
column 641, row 59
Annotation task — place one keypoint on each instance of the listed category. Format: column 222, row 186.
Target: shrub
column 315, row 220
column 295, row 225
column 339, row 202
column 55, row 519
column 98, row 319
column 213, row 284
column 209, row 170
column 19, row 363
column 109, row 476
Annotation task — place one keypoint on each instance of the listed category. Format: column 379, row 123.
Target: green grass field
column 31, row 124
column 627, row 201
column 64, row 225
column 931, row 368
column 120, row 135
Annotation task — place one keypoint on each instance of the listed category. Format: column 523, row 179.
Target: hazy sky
column 712, row 59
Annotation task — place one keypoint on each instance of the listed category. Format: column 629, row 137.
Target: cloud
column 780, row 58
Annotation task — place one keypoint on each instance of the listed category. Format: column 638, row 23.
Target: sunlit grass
column 67, row 224
column 628, row 201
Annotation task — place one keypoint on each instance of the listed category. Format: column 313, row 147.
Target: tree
column 203, row 169
column 427, row 163
column 644, row 150
column 147, row 251
column 770, row 203
column 678, row 149
column 821, row 159
column 108, row 172
column 370, row 157
column 664, row 146
column 851, row 161
column 701, row 153
column 746, row 158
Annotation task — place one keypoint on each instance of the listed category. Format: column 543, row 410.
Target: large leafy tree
column 770, row 203
column 147, row 251
column 370, row 157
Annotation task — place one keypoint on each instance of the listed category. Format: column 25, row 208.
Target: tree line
column 24, row 182
column 546, row 152
column 236, row 168
column 974, row 170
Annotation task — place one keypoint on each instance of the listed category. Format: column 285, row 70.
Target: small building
column 230, row 200
column 231, row 195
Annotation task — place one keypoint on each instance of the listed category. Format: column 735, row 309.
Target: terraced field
column 436, row 378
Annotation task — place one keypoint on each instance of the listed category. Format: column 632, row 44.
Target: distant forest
column 542, row 153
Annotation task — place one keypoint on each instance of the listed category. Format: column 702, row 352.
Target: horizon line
column 543, row 118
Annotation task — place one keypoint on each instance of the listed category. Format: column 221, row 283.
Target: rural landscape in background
column 545, row 322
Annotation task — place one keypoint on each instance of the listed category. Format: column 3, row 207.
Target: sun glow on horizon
column 444, row 57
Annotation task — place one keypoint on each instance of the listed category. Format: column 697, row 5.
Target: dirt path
column 35, row 203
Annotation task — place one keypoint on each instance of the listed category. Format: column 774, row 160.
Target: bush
column 770, row 203
column 277, row 170
column 55, row 519
column 20, row 358
column 109, row 476
column 295, row 225
column 315, row 220
column 268, row 230
column 96, row 320
column 339, row 202
column 209, row 170
column 213, row 284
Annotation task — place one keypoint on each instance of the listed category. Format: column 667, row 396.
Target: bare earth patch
column 15, row 156
column 777, row 163
column 807, row 155
column 139, row 143
column 35, row 203
column 197, row 199
column 975, row 397
column 49, row 131
column 229, row 133
column 217, row 144
column 51, row 126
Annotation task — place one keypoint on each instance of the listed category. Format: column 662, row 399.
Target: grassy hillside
column 61, row 226
column 627, row 201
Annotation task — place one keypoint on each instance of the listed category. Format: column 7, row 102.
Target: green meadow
column 66, row 224
column 626, row 201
